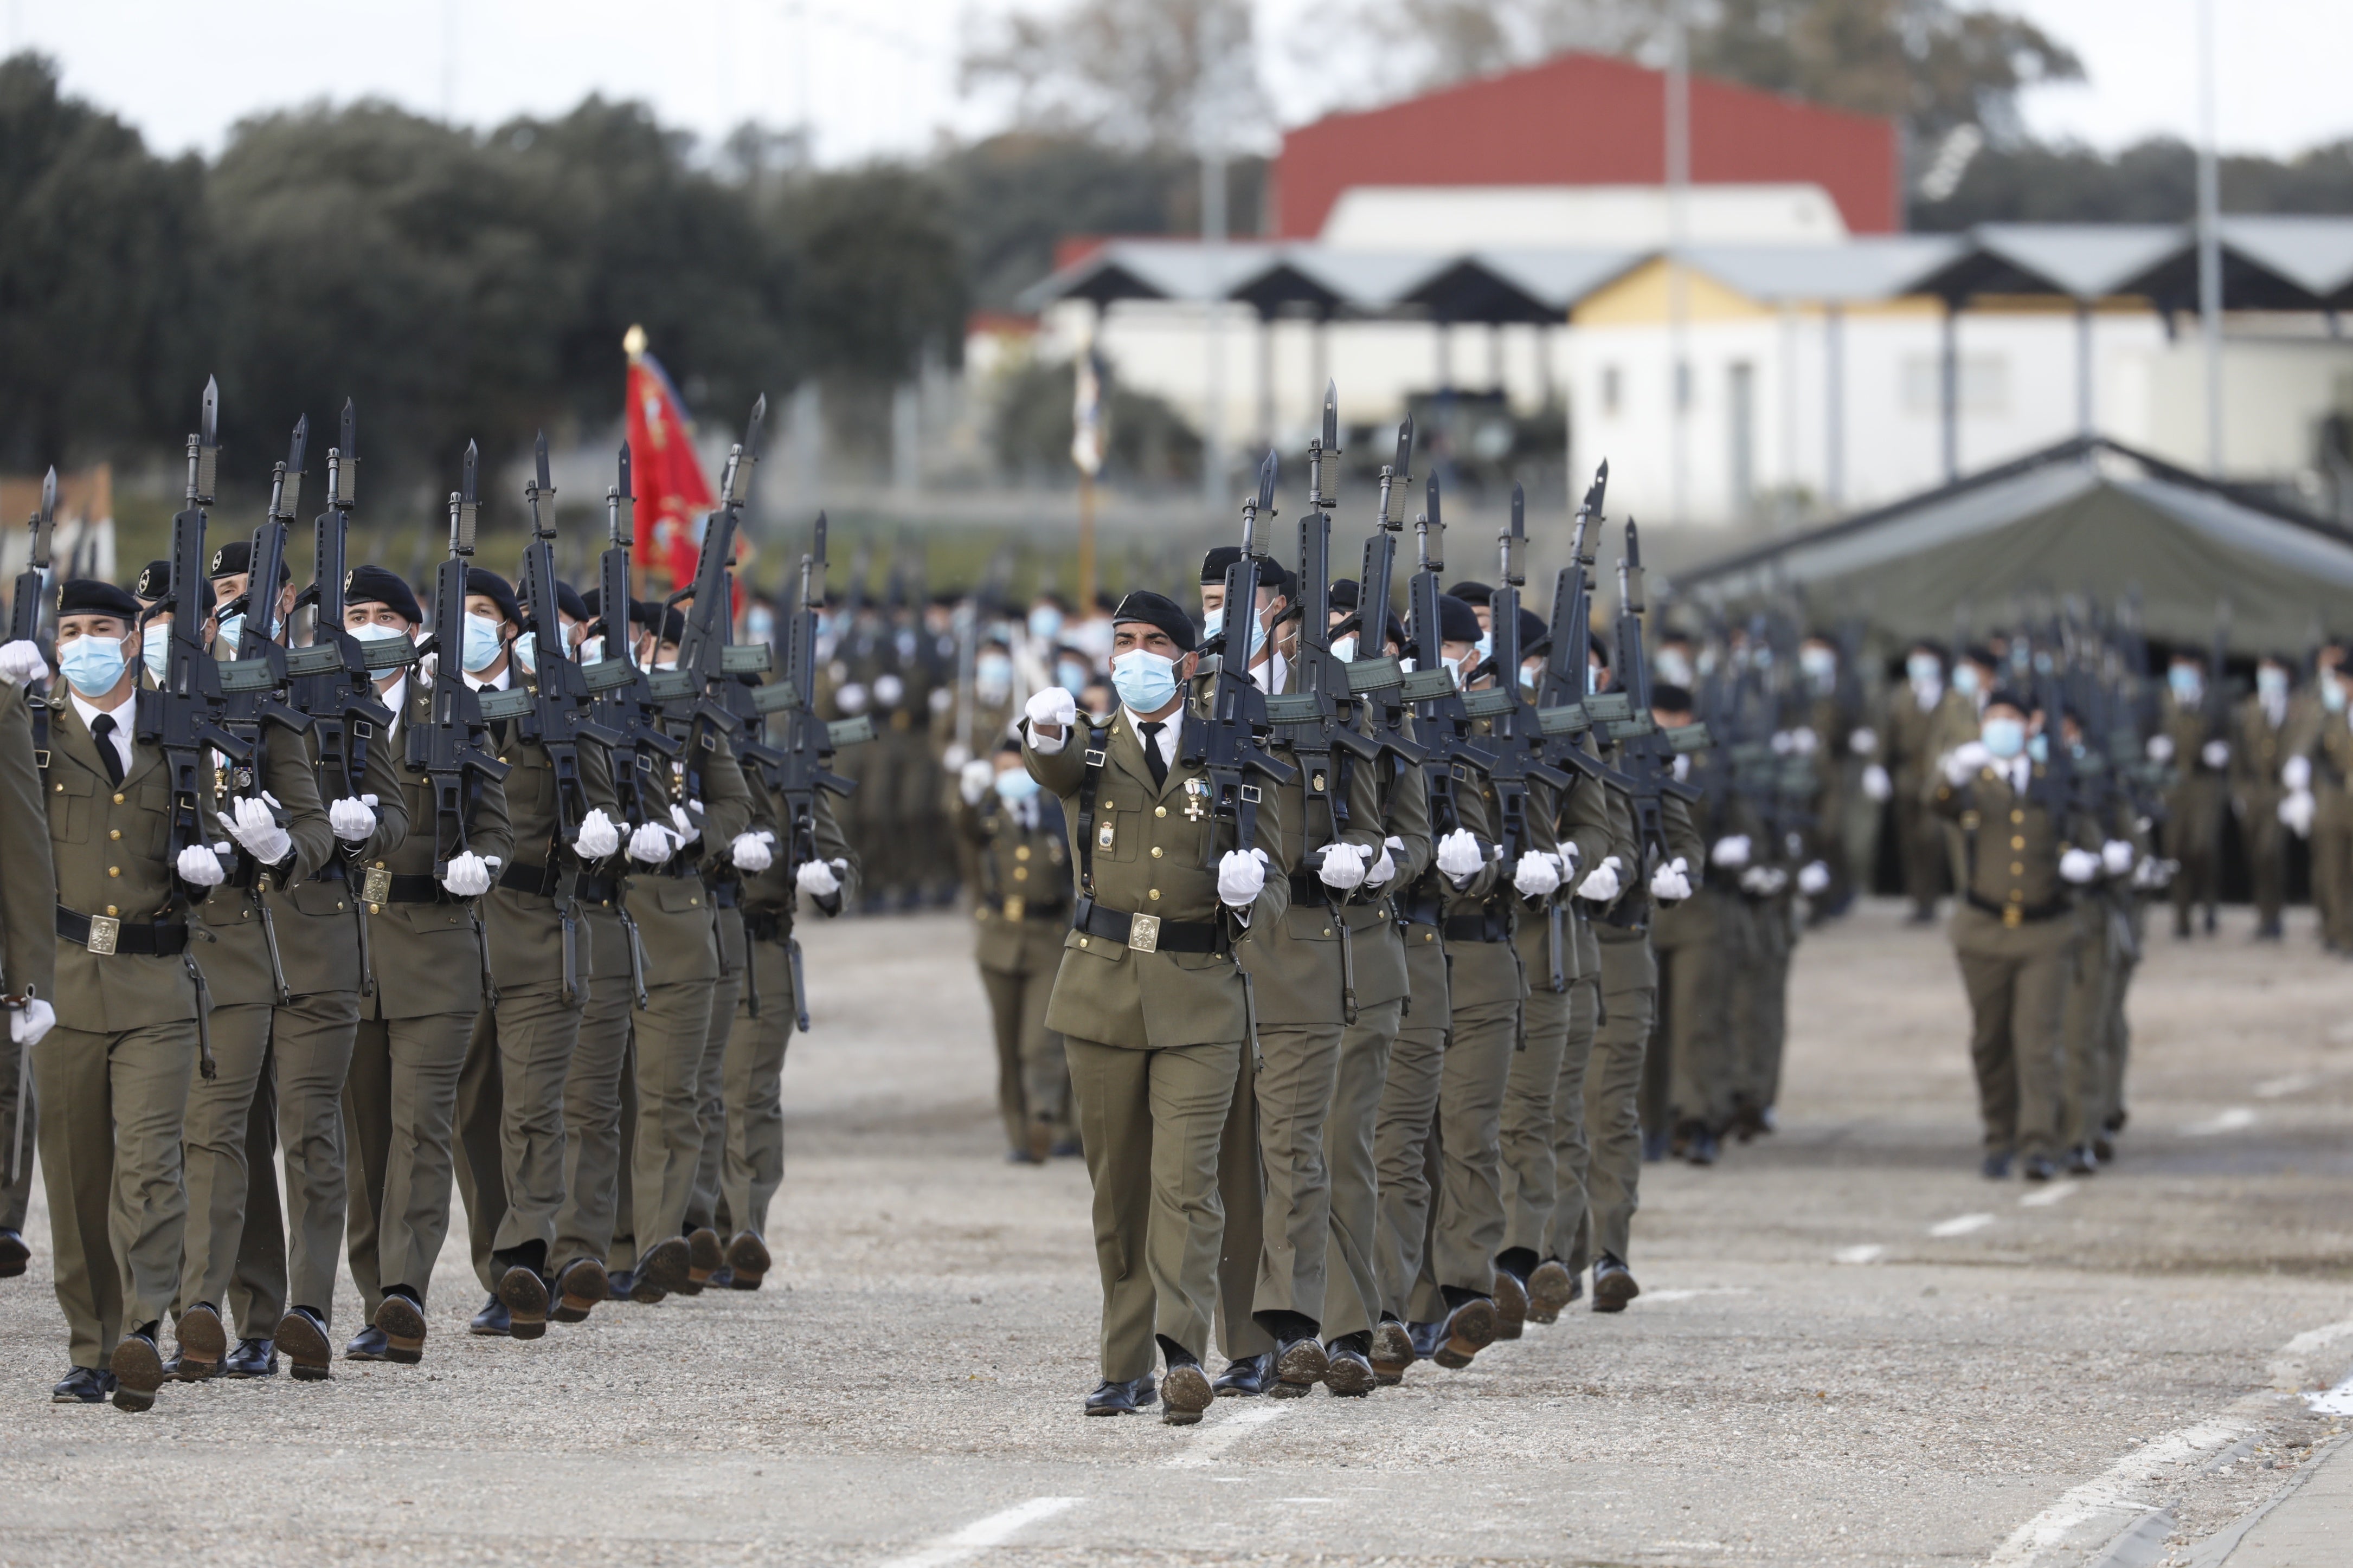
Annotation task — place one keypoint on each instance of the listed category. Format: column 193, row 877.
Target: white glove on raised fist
column 352, row 817
column 599, row 836
column 1813, row 879
column 199, row 866
column 1459, row 856
column 2117, row 857
column 818, row 878
column 974, row 780
column 1876, row 784
column 2295, row 811
column 255, row 827
column 1051, row 706
column 28, row 1024
column 1731, row 851
column 1537, row 875
column 469, row 875
column 2078, row 865
column 1344, row 866
column 1671, row 883
column 750, row 851
column 1601, row 885
column 21, row 661
column 1382, row 870
column 1964, row 760
column 1241, row 877
column 651, row 844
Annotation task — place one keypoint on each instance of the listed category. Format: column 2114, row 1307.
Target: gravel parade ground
column 1850, row 1347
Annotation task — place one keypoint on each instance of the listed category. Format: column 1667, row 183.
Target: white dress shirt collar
column 121, row 737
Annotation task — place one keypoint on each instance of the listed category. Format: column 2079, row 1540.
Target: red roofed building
column 1587, row 120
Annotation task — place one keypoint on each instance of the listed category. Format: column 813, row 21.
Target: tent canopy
column 2088, row 517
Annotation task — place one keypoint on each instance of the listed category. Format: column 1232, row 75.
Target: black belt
column 598, row 890
column 332, row 871
column 724, row 895
column 1308, row 889
column 541, row 881
column 163, row 938
column 1490, row 924
column 404, row 890
column 764, row 925
column 2022, row 914
column 1418, row 908
column 1160, row 936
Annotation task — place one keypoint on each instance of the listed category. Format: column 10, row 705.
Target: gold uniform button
column 1156, row 852
column 118, row 800
column 1156, row 811
column 2017, row 816
column 2016, row 842
column 1327, row 931
column 111, row 909
column 376, row 909
column 1021, row 873
column 1021, row 852
column 1082, row 942
column 2017, row 869
column 339, row 906
column 114, row 870
column 1151, row 892
column 115, row 833
column 61, row 789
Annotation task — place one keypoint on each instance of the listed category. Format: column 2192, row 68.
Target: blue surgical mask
column 592, row 650
column 759, row 624
column 525, row 649
column 1820, row 663
column 481, row 644
column 2185, row 680
column 1014, row 786
column 1486, row 645
column 228, row 635
column 1213, row 621
column 92, row 664
column 1345, row 648
column 1923, row 669
column 1528, row 677
column 1144, row 681
column 1070, row 674
column 2331, row 695
column 1045, row 623
column 374, row 631
column 2271, row 682
column 992, row 675
column 1966, row 679
column 1675, row 666
column 2038, row 748
column 155, row 649
column 2005, row 738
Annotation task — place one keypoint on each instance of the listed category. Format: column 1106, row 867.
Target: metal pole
column 1834, row 405
column 1213, row 247
column 2083, row 367
column 2210, row 240
column 1678, row 287
column 1948, row 389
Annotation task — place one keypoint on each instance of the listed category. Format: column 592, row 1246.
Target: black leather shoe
column 1511, row 1305
column 524, row 1294
column 2105, row 1150
column 1185, row 1392
column 402, row 1322
column 14, row 1256
column 1122, row 1399
column 179, row 1369
column 1551, row 1287
column 83, row 1385
column 2082, row 1162
column 622, row 1283
column 138, row 1368
column 1248, row 1376
column 303, row 1337
column 1469, row 1329
column 2038, row 1168
column 1704, row 1147
column 251, row 1358
column 1347, row 1370
column 368, row 1344
column 1392, row 1352
column 1613, row 1284
column 1299, row 1366
column 747, row 1261
column 1654, row 1147
column 580, row 1287
column 1425, row 1339
column 661, row 1270
column 1070, row 1149
column 202, row 1344
column 703, row 1257
column 1996, row 1168
column 493, row 1322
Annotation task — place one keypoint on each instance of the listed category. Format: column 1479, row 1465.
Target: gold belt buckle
column 1144, row 934
column 2013, row 917
column 376, row 887
column 105, row 931
column 1013, row 907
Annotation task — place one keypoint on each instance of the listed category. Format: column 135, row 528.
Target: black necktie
column 1152, row 757
column 102, row 729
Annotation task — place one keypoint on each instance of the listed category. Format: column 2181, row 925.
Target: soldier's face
column 368, row 612
column 230, row 584
column 1130, row 635
column 483, row 605
column 1486, row 617
column 111, row 628
column 1666, row 720
column 1213, row 597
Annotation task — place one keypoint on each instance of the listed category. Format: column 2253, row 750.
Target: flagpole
column 1086, row 599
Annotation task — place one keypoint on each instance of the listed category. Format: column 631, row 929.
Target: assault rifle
column 693, row 695
column 1647, row 756
column 1320, row 717
column 1445, row 728
column 451, row 747
column 1229, row 741
column 1372, row 674
column 25, row 614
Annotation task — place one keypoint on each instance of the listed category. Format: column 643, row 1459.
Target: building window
column 1984, row 384
column 1611, row 389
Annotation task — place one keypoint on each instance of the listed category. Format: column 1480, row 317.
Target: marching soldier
column 28, row 943
column 1916, row 712
column 2331, row 807
column 1023, row 908
column 1150, row 1002
column 425, row 936
column 2264, row 741
column 2187, row 737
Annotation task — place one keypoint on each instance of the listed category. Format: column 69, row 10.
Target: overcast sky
column 879, row 77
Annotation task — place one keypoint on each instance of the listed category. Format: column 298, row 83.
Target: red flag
column 673, row 498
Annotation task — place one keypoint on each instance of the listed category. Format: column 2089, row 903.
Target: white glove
column 2216, row 754
column 2079, row 865
column 2154, row 872
column 2295, row 773
column 1537, row 876
column 975, row 780
column 598, row 836
column 199, row 866
column 956, row 755
column 1876, row 784
column 1568, row 859
column 652, row 844
column 1382, row 870
column 817, row 879
column 1964, row 760
column 253, row 825
column 887, row 689
column 1053, row 706
column 1344, row 866
column 940, row 698
column 750, row 851
column 1757, row 880
column 1863, row 741
column 426, row 668
column 2295, row 811
column 1241, row 877
column 1669, row 884
column 1601, row 885
column 1803, row 741
column 852, row 698
column 469, row 875
column 352, row 819
column 1731, row 851
column 1459, row 856
column 21, row 661
column 28, row 1024
column 2160, row 748
column 1813, row 879
column 2117, row 856
column 689, row 830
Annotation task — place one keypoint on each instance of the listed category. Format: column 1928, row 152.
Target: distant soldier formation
column 1364, row 965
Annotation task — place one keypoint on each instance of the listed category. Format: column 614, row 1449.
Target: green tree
column 879, row 277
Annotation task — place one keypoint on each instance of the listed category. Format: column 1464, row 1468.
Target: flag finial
column 633, row 342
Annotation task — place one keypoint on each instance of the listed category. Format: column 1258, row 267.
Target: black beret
column 1471, row 594
column 1599, row 649
column 2005, row 697
column 1214, row 564
column 1344, row 593
column 1977, row 653
column 1159, row 611
column 155, row 579
column 96, row 596
column 1668, row 697
column 1009, row 747
column 235, row 556
column 568, row 602
column 673, row 620
column 1928, row 644
column 591, row 604
column 1395, row 630
column 1457, row 622
column 496, row 589
column 375, row 585
column 1533, row 630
